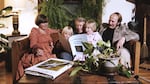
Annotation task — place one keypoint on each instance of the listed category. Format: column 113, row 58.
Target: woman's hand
column 39, row 52
column 120, row 43
column 51, row 44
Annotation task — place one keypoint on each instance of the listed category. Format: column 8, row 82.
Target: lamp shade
column 18, row 5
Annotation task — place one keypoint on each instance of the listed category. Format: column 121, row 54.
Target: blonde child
column 67, row 32
column 92, row 36
column 62, row 48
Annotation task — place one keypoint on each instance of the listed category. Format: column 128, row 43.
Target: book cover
column 50, row 68
column 65, row 43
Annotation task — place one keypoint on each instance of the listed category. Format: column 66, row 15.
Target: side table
column 11, row 38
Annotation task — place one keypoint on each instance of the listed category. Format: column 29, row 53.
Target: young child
column 92, row 36
column 67, row 32
column 62, row 48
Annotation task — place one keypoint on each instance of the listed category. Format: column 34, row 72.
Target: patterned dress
column 38, row 40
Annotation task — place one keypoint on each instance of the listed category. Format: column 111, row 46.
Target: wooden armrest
column 19, row 47
column 137, row 57
column 134, row 48
column 132, row 42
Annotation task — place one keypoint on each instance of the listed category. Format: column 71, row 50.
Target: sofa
column 20, row 46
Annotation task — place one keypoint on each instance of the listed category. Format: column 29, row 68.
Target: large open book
column 76, row 45
column 50, row 68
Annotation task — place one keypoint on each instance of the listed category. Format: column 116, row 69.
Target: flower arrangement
column 103, row 55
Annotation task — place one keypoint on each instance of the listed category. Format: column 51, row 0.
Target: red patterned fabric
column 38, row 40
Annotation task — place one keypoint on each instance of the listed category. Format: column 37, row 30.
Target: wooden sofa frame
column 20, row 46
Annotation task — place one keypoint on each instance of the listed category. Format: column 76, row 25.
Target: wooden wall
column 142, row 9
column 1, row 4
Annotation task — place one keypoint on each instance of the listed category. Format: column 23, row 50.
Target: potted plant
column 109, row 57
column 102, row 59
column 3, row 43
column 92, row 9
column 58, row 14
column 4, row 13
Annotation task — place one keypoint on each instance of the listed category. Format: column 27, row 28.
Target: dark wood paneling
column 142, row 10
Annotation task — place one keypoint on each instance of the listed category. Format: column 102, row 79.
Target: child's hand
column 51, row 44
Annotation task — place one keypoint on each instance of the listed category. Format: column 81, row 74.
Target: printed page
column 77, row 47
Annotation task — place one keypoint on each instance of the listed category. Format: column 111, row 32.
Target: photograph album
column 50, row 68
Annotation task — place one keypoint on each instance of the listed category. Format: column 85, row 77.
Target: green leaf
column 74, row 72
column 5, row 12
column 103, row 43
column 87, row 45
column 127, row 73
column 88, row 48
column 7, row 9
column 124, row 71
column 88, row 51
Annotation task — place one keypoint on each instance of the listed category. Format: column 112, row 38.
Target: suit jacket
column 120, row 31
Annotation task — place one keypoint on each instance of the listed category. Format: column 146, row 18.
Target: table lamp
column 15, row 24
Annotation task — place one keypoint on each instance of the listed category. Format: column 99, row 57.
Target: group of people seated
column 43, row 48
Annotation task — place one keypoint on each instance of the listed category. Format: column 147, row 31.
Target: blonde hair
column 67, row 29
column 91, row 21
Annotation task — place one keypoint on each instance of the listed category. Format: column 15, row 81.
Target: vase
column 109, row 66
